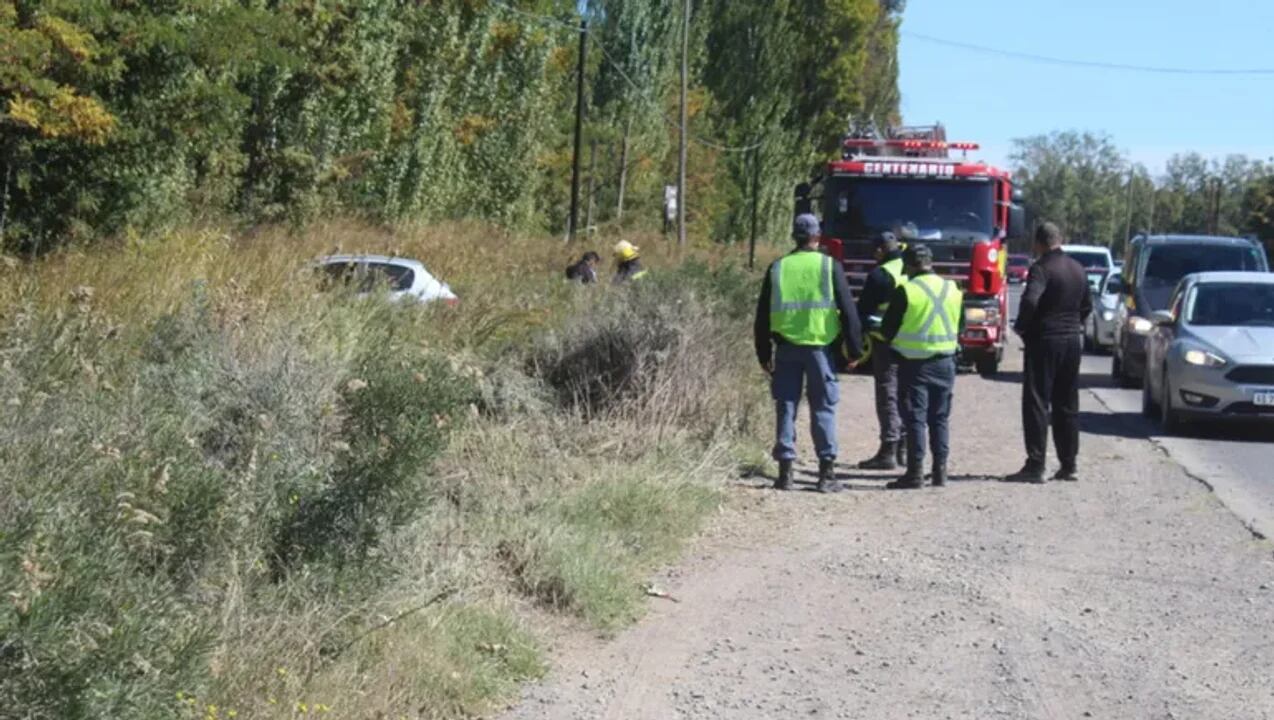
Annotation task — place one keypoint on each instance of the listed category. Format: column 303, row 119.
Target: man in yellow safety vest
column 873, row 303
column 805, row 311
column 922, row 327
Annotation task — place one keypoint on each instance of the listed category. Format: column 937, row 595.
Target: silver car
column 1211, row 355
column 1100, row 332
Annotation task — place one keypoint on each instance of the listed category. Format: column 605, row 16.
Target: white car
column 405, row 279
column 1097, row 261
column 1099, row 333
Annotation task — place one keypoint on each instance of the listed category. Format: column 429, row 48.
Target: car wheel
column 1149, row 408
column 1169, row 419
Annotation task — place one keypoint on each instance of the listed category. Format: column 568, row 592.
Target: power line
column 1092, row 64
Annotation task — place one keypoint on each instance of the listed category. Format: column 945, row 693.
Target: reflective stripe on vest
column 802, row 299
column 894, row 270
column 931, row 325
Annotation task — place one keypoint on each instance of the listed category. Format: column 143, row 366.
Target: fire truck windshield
column 950, row 210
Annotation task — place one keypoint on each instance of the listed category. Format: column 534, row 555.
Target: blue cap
column 805, row 227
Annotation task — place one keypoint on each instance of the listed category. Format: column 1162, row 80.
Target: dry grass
column 224, row 491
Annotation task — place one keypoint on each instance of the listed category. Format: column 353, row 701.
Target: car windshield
column 1232, row 304
column 1090, row 259
column 953, row 210
column 1167, row 264
column 1019, row 261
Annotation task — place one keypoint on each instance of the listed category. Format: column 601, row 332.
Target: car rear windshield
column 1232, row 304
column 1167, row 264
column 1090, row 259
column 1019, row 261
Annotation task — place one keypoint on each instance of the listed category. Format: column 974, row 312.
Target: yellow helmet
column 625, row 251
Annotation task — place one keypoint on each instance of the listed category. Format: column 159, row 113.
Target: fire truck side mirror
column 1018, row 196
column 1017, row 222
column 803, row 203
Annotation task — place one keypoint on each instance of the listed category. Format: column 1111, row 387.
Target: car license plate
column 1263, row 399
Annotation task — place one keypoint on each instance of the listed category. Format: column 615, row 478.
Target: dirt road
column 1132, row 594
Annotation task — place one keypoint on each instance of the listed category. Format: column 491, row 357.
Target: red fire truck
column 965, row 211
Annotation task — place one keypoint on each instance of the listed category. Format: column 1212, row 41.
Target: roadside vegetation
column 224, row 493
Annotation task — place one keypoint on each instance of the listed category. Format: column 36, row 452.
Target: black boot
column 884, row 459
column 827, row 482
column 913, row 480
column 1068, row 474
column 900, row 453
column 785, row 476
column 1030, row 473
column 939, row 478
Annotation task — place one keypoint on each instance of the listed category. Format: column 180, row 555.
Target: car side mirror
column 1017, row 222
column 1114, row 287
column 1162, row 318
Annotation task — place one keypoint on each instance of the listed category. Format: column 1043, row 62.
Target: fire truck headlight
column 982, row 316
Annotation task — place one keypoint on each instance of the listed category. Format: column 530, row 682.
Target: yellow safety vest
column 894, row 269
column 931, row 325
column 802, row 299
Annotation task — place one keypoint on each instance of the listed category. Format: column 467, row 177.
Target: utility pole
column 1132, row 176
column 685, row 122
column 592, row 185
column 579, row 131
column 756, row 199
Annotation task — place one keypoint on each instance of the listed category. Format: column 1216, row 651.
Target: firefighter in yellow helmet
column 627, row 263
column 922, row 327
column 804, row 313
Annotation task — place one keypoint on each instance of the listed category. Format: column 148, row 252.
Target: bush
column 182, row 470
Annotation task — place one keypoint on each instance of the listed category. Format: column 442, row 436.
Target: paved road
column 1238, row 463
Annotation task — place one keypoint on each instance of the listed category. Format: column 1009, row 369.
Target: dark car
column 1153, row 267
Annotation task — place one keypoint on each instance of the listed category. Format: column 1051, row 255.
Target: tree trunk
column 623, row 169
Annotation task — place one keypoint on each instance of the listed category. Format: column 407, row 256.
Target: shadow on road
column 1115, row 424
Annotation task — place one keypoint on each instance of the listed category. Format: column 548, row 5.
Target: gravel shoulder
column 1131, row 594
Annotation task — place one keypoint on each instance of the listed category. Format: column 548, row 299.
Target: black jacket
column 851, row 331
column 892, row 321
column 1057, row 300
column 877, row 289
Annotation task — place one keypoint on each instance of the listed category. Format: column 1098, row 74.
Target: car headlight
column 1140, row 326
column 982, row 316
column 1108, row 315
column 1204, row 358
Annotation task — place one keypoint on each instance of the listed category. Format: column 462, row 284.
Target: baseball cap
column 917, row 254
column 805, row 227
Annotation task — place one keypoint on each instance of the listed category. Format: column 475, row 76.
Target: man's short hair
column 918, row 255
column 1049, row 235
column 887, row 240
column 591, row 256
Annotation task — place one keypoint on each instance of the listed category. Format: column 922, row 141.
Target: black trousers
column 1050, row 391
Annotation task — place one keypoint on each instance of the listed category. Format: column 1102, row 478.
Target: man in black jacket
column 873, row 303
column 1050, row 320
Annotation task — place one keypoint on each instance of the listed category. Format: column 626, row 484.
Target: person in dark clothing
column 584, row 271
column 922, row 327
column 1050, row 321
column 873, row 302
column 804, row 312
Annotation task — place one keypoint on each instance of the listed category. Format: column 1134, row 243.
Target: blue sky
column 992, row 99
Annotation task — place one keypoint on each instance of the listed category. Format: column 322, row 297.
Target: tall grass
column 222, row 491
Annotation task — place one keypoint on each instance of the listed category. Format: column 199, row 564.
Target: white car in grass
column 405, row 280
